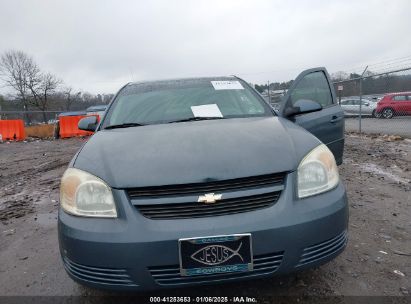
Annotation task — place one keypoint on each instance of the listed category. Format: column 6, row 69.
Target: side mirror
column 367, row 104
column 88, row 123
column 303, row 106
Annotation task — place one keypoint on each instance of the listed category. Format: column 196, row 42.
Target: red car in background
column 394, row 104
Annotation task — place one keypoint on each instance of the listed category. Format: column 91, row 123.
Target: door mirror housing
column 88, row 123
column 302, row 106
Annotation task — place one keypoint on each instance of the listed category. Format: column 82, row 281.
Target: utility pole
column 340, row 89
column 362, row 75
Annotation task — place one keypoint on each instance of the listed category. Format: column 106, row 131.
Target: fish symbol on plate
column 216, row 254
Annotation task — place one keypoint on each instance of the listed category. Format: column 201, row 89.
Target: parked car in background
column 395, row 104
column 376, row 98
column 351, row 106
column 97, row 110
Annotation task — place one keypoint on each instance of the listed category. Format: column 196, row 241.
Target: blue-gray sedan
column 197, row 181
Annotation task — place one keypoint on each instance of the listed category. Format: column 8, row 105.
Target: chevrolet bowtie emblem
column 209, row 198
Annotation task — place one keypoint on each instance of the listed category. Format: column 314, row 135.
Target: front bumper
column 136, row 253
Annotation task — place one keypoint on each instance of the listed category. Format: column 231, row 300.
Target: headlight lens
column 317, row 172
column 84, row 194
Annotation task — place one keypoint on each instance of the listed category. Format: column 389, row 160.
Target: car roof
column 354, row 98
column 73, row 113
column 398, row 93
column 147, row 86
column 97, row 108
column 187, row 80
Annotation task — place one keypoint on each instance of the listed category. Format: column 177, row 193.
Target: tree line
column 34, row 89
column 274, row 86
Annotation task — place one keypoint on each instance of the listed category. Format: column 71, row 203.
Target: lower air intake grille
column 170, row 275
column 98, row 275
column 324, row 249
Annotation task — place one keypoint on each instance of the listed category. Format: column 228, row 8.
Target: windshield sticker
column 210, row 110
column 227, row 85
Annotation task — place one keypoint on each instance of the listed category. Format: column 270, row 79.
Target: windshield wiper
column 124, row 125
column 195, row 119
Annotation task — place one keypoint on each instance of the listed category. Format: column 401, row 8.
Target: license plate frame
column 216, row 254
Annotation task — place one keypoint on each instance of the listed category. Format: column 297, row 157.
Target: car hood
column 194, row 152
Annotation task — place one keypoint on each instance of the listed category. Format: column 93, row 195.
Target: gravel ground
column 376, row 262
column 396, row 126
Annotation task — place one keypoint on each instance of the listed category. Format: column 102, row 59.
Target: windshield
column 169, row 101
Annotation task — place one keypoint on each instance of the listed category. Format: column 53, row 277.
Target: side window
column 313, row 86
column 399, row 98
column 354, row 102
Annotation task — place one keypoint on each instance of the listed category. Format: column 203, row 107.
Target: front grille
column 259, row 192
column 263, row 265
column 214, row 186
column 324, row 249
column 223, row 207
column 98, row 275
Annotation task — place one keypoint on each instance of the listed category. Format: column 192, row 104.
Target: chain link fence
column 377, row 103
column 373, row 103
column 37, row 124
column 31, row 117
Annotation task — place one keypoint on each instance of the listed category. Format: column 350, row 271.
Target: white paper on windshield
column 210, row 110
column 227, row 85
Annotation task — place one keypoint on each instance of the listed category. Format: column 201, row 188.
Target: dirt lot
column 400, row 125
column 377, row 261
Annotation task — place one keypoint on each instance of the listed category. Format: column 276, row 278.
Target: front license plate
column 215, row 254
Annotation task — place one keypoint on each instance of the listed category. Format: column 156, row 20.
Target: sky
column 98, row 46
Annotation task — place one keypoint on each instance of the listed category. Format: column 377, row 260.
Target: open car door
column 311, row 103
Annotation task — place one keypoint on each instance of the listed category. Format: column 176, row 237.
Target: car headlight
column 317, row 172
column 84, row 194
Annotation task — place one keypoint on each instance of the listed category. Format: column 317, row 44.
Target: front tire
column 387, row 113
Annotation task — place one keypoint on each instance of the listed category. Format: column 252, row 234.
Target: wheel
column 387, row 113
column 375, row 114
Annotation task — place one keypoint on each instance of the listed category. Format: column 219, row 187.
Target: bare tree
column 42, row 86
column 86, row 97
column 107, row 98
column 18, row 70
column 339, row 76
column 1, row 104
column 70, row 97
